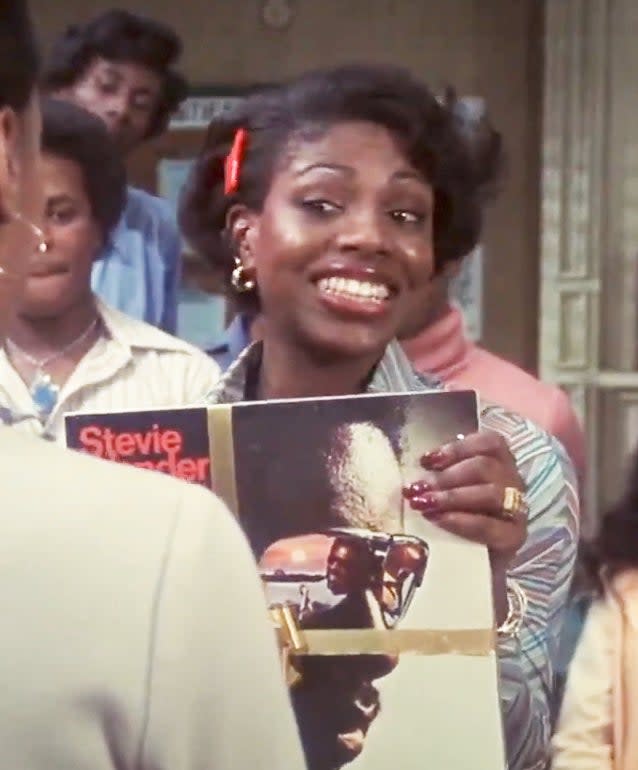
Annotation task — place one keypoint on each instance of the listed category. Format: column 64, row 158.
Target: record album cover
column 384, row 620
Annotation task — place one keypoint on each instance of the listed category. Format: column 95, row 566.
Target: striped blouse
column 543, row 567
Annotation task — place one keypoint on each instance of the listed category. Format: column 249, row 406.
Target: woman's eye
column 142, row 105
column 407, row 217
column 62, row 216
column 321, row 206
column 107, row 86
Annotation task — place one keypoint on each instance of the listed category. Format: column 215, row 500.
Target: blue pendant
column 44, row 393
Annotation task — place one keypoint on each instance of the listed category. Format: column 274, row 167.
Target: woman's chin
column 40, row 308
column 340, row 341
column 352, row 348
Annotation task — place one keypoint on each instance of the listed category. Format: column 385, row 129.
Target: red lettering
column 107, row 437
column 171, row 441
column 124, row 444
column 90, row 439
column 187, row 469
column 124, row 447
column 155, row 439
column 143, row 441
column 203, row 468
column 167, row 466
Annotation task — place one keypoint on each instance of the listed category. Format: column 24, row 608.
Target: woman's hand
column 466, row 494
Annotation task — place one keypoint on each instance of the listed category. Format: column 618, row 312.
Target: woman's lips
column 46, row 271
column 355, row 296
column 353, row 287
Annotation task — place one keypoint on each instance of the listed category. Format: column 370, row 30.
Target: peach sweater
column 444, row 351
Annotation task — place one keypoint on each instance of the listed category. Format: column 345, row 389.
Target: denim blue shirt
column 139, row 270
column 232, row 342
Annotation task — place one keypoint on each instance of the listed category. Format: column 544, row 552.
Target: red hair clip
column 234, row 159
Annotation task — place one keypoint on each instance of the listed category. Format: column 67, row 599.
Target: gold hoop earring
column 239, row 280
column 42, row 246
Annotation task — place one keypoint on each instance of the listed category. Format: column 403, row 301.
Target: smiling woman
column 326, row 203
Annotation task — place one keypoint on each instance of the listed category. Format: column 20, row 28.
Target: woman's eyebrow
column 337, row 167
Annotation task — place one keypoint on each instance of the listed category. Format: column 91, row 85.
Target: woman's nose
column 45, row 240
column 118, row 107
column 364, row 231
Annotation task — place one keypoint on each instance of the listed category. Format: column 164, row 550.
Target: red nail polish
column 417, row 488
column 425, row 503
column 433, row 460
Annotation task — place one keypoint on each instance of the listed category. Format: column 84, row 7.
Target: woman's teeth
column 350, row 287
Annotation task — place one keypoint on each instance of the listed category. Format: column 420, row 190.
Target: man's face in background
column 124, row 94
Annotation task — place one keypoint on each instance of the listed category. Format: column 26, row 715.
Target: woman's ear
column 8, row 164
column 242, row 227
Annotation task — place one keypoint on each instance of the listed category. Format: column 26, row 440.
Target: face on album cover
column 319, row 492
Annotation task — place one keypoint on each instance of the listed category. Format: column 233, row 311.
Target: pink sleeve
column 566, row 427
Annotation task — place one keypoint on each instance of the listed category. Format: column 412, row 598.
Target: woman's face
column 19, row 197
column 344, row 235
column 60, row 278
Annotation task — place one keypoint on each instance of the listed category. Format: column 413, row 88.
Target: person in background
column 119, row 66
column 333, row 197
column 66, row 349
column 240, row 332
column 136, row 632
column 433, row 334
column 598, row 722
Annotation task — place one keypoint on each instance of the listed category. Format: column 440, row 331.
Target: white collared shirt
column 134, row 365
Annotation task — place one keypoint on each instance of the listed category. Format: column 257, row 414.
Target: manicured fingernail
column 417, row 488
column 425, row 503
column 434, row 460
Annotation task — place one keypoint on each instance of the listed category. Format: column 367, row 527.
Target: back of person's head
column 19, row 126
column 74, row 134
column 423, row 128
column 483, row 141
column 119, row 35
column 615, row 547
column 484, row 146
column 18, row 55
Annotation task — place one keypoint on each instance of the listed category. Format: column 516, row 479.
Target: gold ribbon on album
column 295, row 642
column 373, row 641
column 369, row 641
column 222, row 454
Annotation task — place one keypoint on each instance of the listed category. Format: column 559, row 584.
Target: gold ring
column 514, row 504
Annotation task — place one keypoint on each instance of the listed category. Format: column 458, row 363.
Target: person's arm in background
column 216, row 696
column 583, row 740
column 169, row 242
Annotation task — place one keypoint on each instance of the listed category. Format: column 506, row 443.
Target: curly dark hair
column 615, row 547
column 484, row 143
column 72, row 133
column 19, row 60
column 118, row 35
column 425, row 129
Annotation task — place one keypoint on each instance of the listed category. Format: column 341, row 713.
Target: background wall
column 490, row 48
